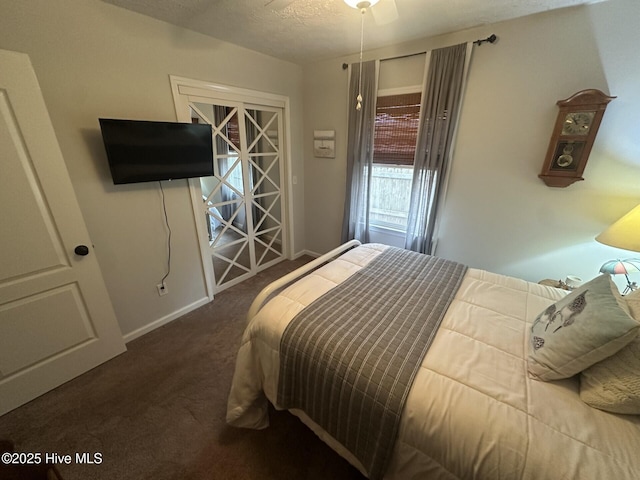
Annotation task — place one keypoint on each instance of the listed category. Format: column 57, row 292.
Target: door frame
column 182, row 88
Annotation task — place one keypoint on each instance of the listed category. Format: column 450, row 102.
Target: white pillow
column 614, row 383
column 590, row 324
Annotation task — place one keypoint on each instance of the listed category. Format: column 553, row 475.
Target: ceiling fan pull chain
column 359, row 98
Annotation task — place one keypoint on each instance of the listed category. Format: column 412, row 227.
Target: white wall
column 498, row 214
column 97, row 60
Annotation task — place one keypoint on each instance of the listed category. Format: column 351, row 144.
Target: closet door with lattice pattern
column 263, row 127
column 241, row 203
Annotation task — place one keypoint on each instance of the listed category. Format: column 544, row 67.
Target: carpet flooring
column 158, row 410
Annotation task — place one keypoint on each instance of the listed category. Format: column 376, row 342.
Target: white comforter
column 472, row 412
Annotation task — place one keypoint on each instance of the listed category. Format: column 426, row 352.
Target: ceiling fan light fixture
column 360, row 4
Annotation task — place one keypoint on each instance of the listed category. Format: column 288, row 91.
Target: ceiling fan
column 384, row 12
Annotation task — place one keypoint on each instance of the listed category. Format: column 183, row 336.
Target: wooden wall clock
column 573, row 136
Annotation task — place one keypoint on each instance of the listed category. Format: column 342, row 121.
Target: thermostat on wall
column 324, row 143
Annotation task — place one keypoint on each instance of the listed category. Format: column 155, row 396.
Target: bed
column 476, row 407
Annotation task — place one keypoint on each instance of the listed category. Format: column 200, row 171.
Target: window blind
column 396, row 129
column 233, row 132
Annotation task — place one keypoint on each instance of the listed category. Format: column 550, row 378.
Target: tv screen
column 144, row 151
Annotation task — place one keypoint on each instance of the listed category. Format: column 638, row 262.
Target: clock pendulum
column 565, row 159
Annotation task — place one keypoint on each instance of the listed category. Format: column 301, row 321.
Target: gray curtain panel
column 441, row 100
column 360, row 152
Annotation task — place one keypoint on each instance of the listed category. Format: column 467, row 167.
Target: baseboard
column 306, row 252
column 164, row 320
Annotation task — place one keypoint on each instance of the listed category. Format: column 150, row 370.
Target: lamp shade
column 625, row 233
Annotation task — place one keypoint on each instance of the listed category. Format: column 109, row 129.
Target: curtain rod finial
column 491, row 39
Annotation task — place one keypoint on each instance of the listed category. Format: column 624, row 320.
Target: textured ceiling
column 303, row 31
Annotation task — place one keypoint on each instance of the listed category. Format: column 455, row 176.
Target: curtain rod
column 490, row 39
column 346, row 65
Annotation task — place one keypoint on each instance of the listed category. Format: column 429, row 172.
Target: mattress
column 472, row 412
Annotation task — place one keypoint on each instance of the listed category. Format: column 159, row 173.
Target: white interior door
column 56, row 319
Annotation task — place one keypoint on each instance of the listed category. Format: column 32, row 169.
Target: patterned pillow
column 588, row 325
column 614, row 383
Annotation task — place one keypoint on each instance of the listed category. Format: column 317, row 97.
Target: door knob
column 81, row 250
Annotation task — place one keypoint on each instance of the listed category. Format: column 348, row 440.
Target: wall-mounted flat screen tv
column 145, row 151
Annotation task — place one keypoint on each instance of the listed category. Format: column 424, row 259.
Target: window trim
column 385, row 92
column 393, row 232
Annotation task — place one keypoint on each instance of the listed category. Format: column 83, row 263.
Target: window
column 395, row 137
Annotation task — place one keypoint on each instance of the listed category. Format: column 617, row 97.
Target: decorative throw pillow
column 588, row 325
column 614, row 383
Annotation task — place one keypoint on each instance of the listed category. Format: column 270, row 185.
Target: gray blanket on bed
column 348, row 360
